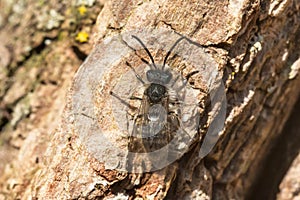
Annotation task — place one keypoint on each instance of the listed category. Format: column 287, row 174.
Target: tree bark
column 254, row 44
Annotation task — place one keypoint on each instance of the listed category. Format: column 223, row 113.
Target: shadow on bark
column 278, row 159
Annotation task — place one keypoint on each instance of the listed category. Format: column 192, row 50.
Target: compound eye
column 150, row 75
column 168, row 77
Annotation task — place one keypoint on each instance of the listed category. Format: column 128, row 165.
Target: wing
column 151, row 135
column 160, row 132
column 135, row 143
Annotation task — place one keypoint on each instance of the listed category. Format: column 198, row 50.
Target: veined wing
column 135, row 143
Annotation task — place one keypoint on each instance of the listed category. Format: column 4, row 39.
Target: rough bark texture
column 285, row 156
column 255, row 44
column 39, row 57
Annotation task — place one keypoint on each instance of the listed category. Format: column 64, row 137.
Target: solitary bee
column 159, row 116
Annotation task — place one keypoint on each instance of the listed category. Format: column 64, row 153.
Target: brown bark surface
column 255, row 44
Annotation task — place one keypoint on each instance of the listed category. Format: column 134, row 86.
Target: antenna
column 146, row 49
column 169, row 52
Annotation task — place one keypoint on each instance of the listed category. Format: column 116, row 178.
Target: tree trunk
column 251, row 46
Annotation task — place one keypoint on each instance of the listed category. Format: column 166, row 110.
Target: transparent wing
column 135, row 143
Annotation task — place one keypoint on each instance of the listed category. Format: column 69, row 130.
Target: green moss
column 41, row 2
column 62, row 35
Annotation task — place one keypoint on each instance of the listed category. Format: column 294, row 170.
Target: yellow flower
column 82, row 37
column 82, row 10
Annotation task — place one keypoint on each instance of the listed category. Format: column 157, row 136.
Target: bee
column 158, row 118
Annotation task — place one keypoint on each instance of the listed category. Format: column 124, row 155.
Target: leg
column 187, row 80
column 175, row 80
column 122, row 101
column 136, row 75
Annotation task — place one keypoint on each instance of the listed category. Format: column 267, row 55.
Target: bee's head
column 159, row 76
